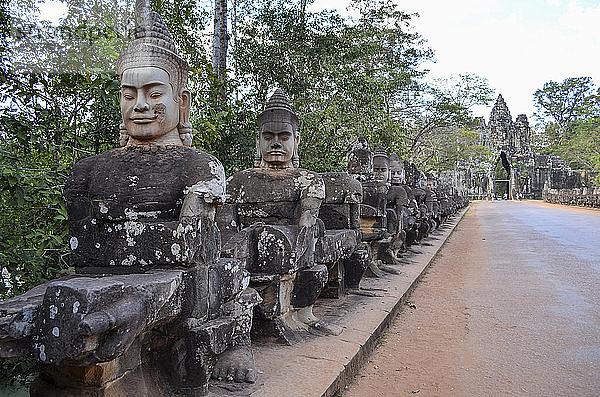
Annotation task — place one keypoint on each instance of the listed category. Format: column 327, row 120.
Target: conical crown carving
column 278, row 108
column 152, row 45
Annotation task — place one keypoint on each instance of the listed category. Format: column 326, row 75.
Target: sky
column 517, row 45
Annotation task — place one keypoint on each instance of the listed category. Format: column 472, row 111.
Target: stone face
column 529, row 174
column 502, row 130
column 270, row 221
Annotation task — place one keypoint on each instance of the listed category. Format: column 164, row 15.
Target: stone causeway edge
column 325, row 365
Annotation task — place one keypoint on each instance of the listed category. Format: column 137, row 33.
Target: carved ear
column 257, row 155
column 295, row 156
column 185, row 127
column 184, row 106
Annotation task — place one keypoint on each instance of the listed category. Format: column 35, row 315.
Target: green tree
column 569, row 120
column 441, row 129
column 573, row 99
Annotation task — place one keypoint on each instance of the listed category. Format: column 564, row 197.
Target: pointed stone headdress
column 152, row 45
column 380, row 155
column 395, row 161
column 360, row 158
column 278, row 108
column 394, row 158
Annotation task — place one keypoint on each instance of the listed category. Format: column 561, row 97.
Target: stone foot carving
column 388, row 269
column 305, row 315
column 373, row 271
column 363, row 292
column 236, row 364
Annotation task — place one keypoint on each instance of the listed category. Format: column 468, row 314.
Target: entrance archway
column 502, row 186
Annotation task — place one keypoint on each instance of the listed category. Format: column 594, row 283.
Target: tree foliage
column 570, row 121
column 346, row 77
column 573, row 99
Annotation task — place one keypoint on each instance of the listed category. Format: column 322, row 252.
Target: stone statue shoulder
column 397, row 194
column 258, row 185
column 341, row 188
column 420, row 194
column 142, row 179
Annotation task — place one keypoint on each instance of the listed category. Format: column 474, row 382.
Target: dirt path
column 508, row 308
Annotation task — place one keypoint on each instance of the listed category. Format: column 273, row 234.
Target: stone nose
column 276, row 143
column 140, row 104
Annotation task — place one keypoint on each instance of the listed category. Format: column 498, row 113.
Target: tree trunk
column 220, row 44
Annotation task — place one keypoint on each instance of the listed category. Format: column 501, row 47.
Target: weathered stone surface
column 88, row 320
column 276, row 292
column 158, row 308
column 272, row 196
column 356, row 265
column 308, row 285
column 270, row 221
column 335, row 245
column 341, row 207
column 360, row 160
column 275, row 250
column 216, row 334
column 17, row 317
column 226, row 279
column 120, row 216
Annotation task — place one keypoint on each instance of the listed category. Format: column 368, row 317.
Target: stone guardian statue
column 271, row 220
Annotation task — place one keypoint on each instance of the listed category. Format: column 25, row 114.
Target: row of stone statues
column 582, row 197
column 178, row 270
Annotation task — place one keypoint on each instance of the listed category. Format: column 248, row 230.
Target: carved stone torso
column 272, row 196
column 343, row 196
column 124, row 204
column 397, row 197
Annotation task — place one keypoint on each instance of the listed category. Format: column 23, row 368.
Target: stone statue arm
column 197, row 226
column 119, row 323
column 313, row 194
column 309, row 211
column 76, row 194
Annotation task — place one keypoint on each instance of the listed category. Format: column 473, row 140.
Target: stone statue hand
column 116, row 326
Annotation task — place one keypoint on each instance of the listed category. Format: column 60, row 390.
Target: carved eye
column 155, row 95
column 128, row 97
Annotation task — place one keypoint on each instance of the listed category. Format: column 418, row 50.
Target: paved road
column 512, row 307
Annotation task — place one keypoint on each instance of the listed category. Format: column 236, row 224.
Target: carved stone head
column 277, row 138
column 381, row 165
column 431, row 181
column 155, row 104
column 360, row 159
column 397, row 176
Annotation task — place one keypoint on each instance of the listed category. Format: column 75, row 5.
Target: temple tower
column 522, row 141
column 502, row 130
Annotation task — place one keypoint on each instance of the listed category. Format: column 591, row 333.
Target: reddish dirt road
column 509, row 308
